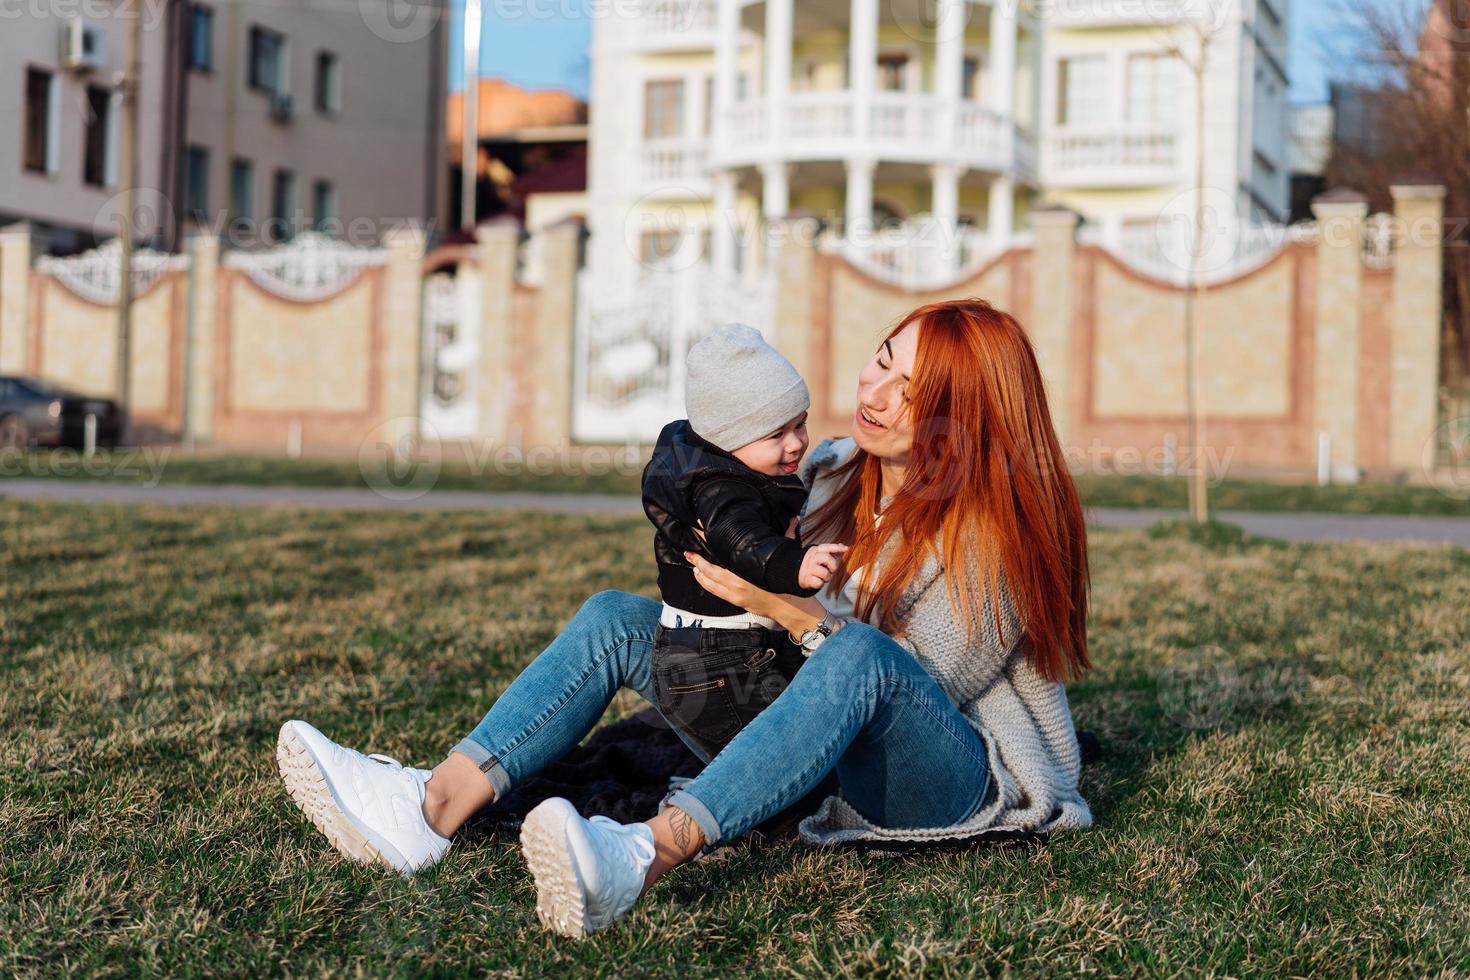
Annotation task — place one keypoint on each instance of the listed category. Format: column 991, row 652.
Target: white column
column 775, row 190
column 1002, row 74
column 858, row 217
column 1002, row 209
column 862, row 63
column 727, row 53
column 779, row 15
column 722, row 223
column 945, row 199
column 944, row 208
column 949, row 39
column 949, row 53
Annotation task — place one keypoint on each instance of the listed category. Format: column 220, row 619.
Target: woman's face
column 882, row 424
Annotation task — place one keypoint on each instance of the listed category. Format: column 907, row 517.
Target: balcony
column 1113, row 158
column 1119, row 13
column 676, row 25
column 676, row 164
column 902, row 127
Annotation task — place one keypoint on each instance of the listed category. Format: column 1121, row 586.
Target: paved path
column 339, row 498
column 1287, row 526
column 1313, row 527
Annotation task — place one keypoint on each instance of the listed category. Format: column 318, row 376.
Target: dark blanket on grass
column 623, row 769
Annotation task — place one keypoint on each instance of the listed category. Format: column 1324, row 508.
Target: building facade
column 921, row 133
column 531, row 161
column 254, row 119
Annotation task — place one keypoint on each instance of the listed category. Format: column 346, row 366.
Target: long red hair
column 985, row 477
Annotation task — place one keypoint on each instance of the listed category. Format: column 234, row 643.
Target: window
column 267, row 61
column 242, row 190
column 663, row 109
column 1082, row 90
column 196, row 181
column 283, row 200
column 892, row 72
column 970, row 79
column 40, row 121
column 201, row 37
column 1153, row 90
column 97, row 159
column 709, row 104
column 323, row 202
column 328, row 82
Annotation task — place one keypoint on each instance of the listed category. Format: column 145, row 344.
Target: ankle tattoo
column 682, row 827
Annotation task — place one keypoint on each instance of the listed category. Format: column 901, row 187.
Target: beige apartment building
column 256, row 119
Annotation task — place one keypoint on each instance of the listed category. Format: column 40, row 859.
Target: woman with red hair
column 933, row 685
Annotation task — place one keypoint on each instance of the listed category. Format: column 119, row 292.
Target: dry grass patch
column 1286, row 788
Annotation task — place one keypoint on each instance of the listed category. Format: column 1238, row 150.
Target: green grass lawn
column 1285, row 791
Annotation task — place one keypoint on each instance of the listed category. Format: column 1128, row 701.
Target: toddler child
column 729, row 470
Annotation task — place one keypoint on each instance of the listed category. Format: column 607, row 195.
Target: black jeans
column 711, row 682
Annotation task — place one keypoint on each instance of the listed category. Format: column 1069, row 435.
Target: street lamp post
column 127, row 232
column 470, row 129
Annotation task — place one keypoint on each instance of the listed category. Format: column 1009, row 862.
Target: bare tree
column 1189, row 43
column 1414, row 92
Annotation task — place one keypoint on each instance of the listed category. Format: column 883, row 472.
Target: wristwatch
column 812, row 638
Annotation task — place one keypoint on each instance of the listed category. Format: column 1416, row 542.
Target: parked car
column 37, row 413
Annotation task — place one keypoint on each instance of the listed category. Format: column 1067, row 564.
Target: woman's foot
column 369, row 807
column 588, row 873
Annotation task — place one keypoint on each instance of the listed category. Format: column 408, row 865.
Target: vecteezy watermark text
column 147, row 462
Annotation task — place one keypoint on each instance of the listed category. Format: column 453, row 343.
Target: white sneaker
column 370, row 807
column 588, row 873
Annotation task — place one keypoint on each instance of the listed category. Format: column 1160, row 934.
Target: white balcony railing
column 666, row 23
column 746, row 123
column 1113, row 157
column 819, row 115
column 917, row 127
column 675, row 161
column 1125, row 13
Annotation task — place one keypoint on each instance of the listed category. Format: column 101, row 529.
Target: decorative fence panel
column 299, row 344
column 628, row 362
column 73, row 330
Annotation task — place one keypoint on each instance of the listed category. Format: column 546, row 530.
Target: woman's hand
column 725, row 584
column 795, row 613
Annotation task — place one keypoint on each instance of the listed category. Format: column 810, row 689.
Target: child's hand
column 818, row 565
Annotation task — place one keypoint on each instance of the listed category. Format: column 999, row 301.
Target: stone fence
column 1323, row 357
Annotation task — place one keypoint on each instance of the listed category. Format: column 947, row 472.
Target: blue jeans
column 904, row 754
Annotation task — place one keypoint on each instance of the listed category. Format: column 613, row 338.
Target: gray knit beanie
column 739, row 388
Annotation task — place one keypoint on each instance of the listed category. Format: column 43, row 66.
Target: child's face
column 777, row 453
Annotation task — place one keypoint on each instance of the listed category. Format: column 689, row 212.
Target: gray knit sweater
column 1022, row 718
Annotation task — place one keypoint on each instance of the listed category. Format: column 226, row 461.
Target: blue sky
column 552, row 52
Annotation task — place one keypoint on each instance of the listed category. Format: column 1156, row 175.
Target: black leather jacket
column 744, row 514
